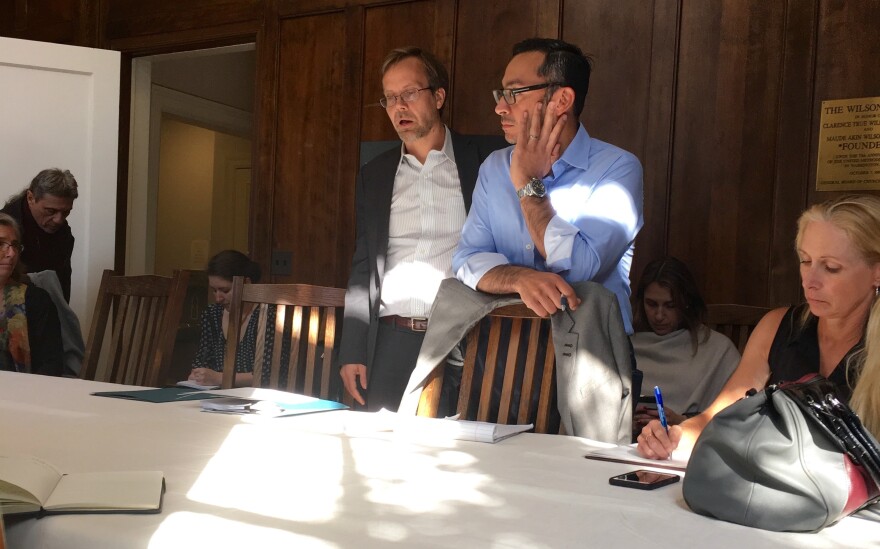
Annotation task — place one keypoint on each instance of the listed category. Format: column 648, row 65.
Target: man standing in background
column 41, row 211
column 411, row 203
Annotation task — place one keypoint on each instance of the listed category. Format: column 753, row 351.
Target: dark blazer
column 375, row 184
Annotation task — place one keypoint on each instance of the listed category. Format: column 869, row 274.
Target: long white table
column 328, row 480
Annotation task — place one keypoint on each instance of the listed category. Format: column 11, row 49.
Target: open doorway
column 189, row 176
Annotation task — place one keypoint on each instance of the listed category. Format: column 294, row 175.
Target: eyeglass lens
column 407, row 96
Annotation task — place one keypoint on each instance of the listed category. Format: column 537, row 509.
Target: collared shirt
column 427, row 213
column 596, row 190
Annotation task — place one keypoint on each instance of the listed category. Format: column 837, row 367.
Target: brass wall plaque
column 849, row 145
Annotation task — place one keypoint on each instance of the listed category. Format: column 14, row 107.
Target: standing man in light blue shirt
column 558, row 207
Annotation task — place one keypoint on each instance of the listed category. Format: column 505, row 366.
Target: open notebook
column 29, row 484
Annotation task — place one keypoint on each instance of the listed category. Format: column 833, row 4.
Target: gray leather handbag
column 792, row 457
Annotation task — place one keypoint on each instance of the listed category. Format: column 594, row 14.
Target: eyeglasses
column 509, row 95
column 15, row 245
column 407, row 97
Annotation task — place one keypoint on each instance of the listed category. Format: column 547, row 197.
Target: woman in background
column 208, row 363
column 836, row 333
column 30, row 334
column 674, row 347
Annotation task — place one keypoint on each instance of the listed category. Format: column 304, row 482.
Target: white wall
column 59, row 107
column 186, row 181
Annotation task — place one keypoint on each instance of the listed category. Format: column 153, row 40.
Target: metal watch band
column 535, row 187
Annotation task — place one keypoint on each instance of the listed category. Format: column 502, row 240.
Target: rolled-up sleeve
column 477, row 253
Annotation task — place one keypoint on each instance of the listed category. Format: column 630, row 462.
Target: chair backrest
column 304, row 332
column 528, row 369
column 146, row 313
column 735, row 321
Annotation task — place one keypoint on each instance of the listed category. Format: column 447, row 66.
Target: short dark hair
column 434, row 69
column 673, row 274
column 563, row 62
column 231, row 263
column 56, row 182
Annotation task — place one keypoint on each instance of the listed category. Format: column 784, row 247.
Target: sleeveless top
column 795, row 353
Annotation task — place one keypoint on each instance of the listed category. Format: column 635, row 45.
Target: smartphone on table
column 644, row 479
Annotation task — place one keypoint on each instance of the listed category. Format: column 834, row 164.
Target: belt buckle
column 417, row 319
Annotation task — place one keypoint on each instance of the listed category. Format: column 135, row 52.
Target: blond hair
column 858, row 216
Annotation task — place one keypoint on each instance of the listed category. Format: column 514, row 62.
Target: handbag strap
column 818, row 399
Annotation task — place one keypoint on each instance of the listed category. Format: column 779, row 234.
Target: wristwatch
column 535, row 187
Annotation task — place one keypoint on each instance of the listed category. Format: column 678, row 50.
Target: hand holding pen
column 657, row 441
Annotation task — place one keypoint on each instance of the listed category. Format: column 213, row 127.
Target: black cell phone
column 644, row 479
column 648, row 401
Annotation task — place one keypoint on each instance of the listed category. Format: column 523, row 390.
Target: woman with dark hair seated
column 674, row 347
column 30, row 334
column 208, row 364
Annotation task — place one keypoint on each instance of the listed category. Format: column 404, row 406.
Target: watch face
column 538, row 188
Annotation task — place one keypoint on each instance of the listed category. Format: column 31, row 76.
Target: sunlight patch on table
column 416, row 482
column 187, row 529
column 294, row 478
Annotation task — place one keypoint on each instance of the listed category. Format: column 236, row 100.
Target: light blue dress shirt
column 596, row 190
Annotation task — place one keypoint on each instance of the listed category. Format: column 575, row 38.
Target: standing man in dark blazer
column 411, row 204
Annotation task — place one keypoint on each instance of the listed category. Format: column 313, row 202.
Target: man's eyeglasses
column 509, row 95
column 15, row 245
column 407, row 97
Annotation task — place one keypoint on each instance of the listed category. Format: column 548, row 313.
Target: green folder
column 169, row 394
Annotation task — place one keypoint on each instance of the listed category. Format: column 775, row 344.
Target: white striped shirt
column 427, row 214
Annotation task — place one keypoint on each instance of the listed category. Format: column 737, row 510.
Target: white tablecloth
column 329, row 480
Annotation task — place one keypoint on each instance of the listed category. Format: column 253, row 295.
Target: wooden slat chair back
column 735, row 321
column 306, row 334
column 146, row 312
column 515, row 372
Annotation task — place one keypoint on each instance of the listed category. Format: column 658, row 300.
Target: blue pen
column 660, row 411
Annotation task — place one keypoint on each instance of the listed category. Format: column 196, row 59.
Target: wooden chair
column 146, row 313
column 305, row 332
column 735, row 321
column 520, row 373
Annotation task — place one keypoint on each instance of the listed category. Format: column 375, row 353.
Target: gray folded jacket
column 593, row 360
column 71, row 335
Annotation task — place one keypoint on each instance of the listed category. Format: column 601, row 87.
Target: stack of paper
column 453, row 429
column 193, row 385
column 228, row 405
column 267, row 402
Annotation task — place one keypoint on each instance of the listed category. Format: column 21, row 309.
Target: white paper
column 194, row 385
column 425, row 428
column 629, row 454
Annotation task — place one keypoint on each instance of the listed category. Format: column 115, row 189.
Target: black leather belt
column 414, row 324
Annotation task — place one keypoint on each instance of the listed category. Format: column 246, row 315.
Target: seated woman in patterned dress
column 208, row 363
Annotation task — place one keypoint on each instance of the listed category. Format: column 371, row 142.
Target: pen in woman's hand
column 660, row 411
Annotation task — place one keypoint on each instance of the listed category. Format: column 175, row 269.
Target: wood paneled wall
column 718, row 98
